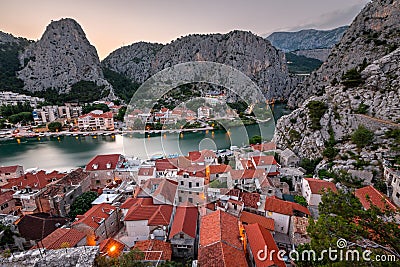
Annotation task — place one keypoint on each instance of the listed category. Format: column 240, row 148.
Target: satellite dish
column 258, row 204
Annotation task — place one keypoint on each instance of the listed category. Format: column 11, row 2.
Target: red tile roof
column 248, row 174
column 194, row 171
column 247, row 164
column 103, row 162
column 185, row 221
column 94, row 217
column 199, row 156
column 166, row 164
column 155, row 214
column 284, row 207
column 129, row 202
column 260, row 238
column 61, row 237
column 219, row 241
column 6, row 196
column 264, row 146
column 222, row 168
column 111, row 247
column 9, row 169
column 36, row 180
column 145, row 171
column 165, row 189
column 264, row 160
column 154, row 250
column 105, row 115
column 319, row 186
column 249, row 199
column 369, row 194
column 250, row 218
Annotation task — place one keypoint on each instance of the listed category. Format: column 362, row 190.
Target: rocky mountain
column 373, row 34
column 306, row 39
column 366, row 65
column 319, row 53
column 251, row 54
column 61, row 58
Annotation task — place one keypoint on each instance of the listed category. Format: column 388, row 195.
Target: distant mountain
column 306, row 39
column 62, row 58
column 249, row 53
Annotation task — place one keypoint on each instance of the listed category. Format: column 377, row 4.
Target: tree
column 23, row 117
column 54, row 126
column 300, row 200
column 121, row 114
column 362, row 136
column 88, row 108
column 255, row 140
column 82, row 204
column 309, row 165
column 341, row 215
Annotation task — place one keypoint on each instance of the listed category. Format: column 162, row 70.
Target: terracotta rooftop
column 247, row 164
column 199, row 156
column 319, row 186
column 160, row 189
column 39, row 225
column 96, row 215
column 36, row 180
column 264, row 160
column 284, row 207
column 221, row 168
column 194, row 171
column 61, row 236
column 103, row 162
column 369, row 195
column 129, row 202
column 219, row 241
column 105, row 115
column 6, row 196
column 154, row 214
column 166, row 164
column 146, row 171
column 154, row 250
column 9, row 169
column 259, row 238
column 249, row 199
column 250, row 218
column 111, row 247
column 185, row 221
column 248, row 174
column 264, row 146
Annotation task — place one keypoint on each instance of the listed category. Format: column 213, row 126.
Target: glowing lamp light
column 112, row 249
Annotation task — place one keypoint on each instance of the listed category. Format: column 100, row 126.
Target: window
column 269, row 213
column 190, row 192
column 108, row 181
column 182, row 183
column 180, row 199
column 197, row 184
column 97, row 181
column 190, row 184
column 190, row 200
column 181, row 236
column 398, row 195
column 112, row 223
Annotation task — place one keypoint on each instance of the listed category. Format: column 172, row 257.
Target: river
column 67, row 152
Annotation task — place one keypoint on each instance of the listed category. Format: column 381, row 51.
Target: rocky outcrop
column 306, row 39
column 377, row 98
column 373, row 34
column 320, row 54
column 251, row 54
column 61, row 58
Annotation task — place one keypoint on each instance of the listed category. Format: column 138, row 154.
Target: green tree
column 341, row 215
column 309, row 165
column 352, row 78
column 256, row 139
column 300, row 200
column 54, row 126
column 316, row 109
column 82, row 204
column 362, row 136
column 88, row 108
column 23, row 117
column 121, row 114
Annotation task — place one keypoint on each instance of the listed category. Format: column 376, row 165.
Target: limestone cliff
column 374, row 33
column 62, row 57
column 251, row 54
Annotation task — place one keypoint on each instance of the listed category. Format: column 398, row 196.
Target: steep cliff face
column 374, row 33
column 61, row 58
column 306, row 39
column 251, row 54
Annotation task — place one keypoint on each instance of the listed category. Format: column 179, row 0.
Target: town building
column 95, row 121
column 369, row 195
column 45, row 114
column 98, row 223
column 102, row 169
column 281, row 212
column 7, row 202
column 392, row 178
column 154, row 251
column 247, row 218
column 288, row 158
column 260, row 239
column 204, row 112
column 111, row 248
column 11, row 98
column 220, row 243
column 62, row 238
column 312, row 190
column 184, row 231
column 10, row 172
column 146, row 220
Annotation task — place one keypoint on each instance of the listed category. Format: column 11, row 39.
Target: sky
column 111, row 24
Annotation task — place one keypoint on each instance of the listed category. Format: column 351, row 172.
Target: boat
column 156, row 157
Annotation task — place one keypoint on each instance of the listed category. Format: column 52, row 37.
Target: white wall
column 281, row 221
column 138, row 229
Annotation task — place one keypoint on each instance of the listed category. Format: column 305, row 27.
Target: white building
column 393, row 181
column 96, row 120
column 204, row 112
column 45, row 114
column 11, row 98
column 312, row 190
